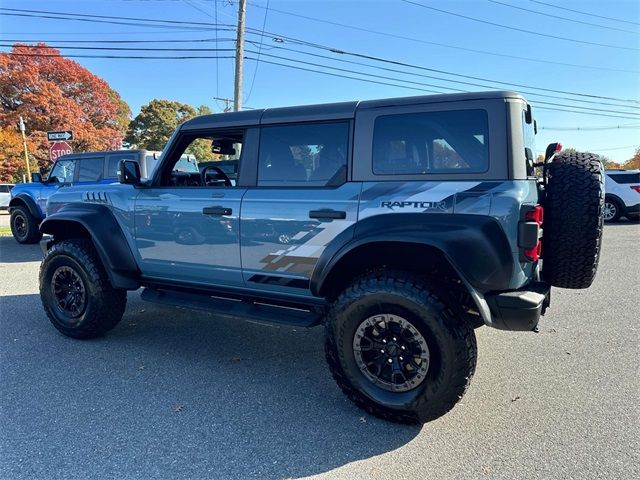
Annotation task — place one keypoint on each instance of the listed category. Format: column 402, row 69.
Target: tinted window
column 4, row 189
column 90, row 169
column 63, row 170
column 113, row 162
column 625, row 177
column 303, row 155
column 431, row 142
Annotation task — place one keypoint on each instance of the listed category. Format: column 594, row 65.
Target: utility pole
column 237, row 91
column 24, row 144
column 226, row 103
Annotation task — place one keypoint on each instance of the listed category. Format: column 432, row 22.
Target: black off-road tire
column 24, row 226
column 104, row 305
column 614, row 206
column 451, row 341
column 573, row 220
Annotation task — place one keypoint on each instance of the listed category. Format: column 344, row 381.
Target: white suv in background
column 5, row 195
column 622, row 198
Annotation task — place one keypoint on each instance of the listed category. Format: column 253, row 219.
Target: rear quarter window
column 431, row 142
column 625, row 178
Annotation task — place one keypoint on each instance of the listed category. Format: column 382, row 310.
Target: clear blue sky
column 194, row 81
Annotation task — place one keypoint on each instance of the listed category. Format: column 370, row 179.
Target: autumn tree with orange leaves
column 54, row 93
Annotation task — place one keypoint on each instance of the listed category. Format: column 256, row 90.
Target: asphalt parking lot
column 177, row 394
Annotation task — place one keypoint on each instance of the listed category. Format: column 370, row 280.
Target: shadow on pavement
column 171, row 393
column 14, row 252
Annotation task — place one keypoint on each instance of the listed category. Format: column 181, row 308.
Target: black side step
column 229, row 307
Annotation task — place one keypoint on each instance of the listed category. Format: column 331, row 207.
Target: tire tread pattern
column 574, row 219
column 417, row 290
column 108, row 303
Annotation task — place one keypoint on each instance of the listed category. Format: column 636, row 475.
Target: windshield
column 186, row 164
column 63, row 170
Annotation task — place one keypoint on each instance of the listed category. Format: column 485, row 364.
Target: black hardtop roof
column 103, row 152
column 330, row 111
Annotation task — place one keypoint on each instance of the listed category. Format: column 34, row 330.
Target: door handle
column 216, row 211
column 328, row 214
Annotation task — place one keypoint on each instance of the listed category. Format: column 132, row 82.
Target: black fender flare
column 106, row 235
column 23, row 198
column 476, row 245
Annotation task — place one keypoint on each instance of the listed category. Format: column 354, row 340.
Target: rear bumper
column 521, row 309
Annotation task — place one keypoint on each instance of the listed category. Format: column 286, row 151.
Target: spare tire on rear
column 573, row 219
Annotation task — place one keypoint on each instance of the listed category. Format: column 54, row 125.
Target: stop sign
column 58, row 149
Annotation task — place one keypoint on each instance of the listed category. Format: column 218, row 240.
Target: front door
column 301, row 202
column 189, row 233
column 187, row 222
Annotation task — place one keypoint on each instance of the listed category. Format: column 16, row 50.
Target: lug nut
column 401, row 358
column 394, row 339
column 384, row 340
column 390, row 361
column 402, row 347
column 382, row 351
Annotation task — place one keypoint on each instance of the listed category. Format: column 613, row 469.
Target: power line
column 111, row 22
column 141, row 49
column 614, row 148
column 281, row 38
column 378, row 59
column 386, row 78
column 124, row 57
column 174, row 40
column 444, row 45
column 84, row 15
column 255, row 71
column 548, row 15
column 404, row 72
column 517, row 29
column 435, row 86
column 585, row 13
column 591, row 129
column 200, row 57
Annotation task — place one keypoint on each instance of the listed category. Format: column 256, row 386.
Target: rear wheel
column 573, row 220
column 612, row 210
column 24, row 226
column 76, row 292
column 396, row 350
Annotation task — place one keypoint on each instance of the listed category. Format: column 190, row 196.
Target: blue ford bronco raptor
column 400, row 224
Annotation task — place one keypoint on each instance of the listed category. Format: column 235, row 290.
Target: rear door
column 301, row 202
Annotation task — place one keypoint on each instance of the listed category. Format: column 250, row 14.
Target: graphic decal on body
column 302, row 258
column 463, row 197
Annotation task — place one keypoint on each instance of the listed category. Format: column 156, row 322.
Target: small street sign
column 58, row 149
column 61, row 135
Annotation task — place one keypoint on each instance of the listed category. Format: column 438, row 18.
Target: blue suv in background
column 29, row 200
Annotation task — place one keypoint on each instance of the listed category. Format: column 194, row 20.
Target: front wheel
column 24, row 227
column 396, row 349
column 76, row 292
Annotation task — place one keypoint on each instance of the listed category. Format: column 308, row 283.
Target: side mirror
column 129, row 172
column 36, row 177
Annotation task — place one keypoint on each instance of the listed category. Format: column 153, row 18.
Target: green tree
column 155, row 123
column 158, row 119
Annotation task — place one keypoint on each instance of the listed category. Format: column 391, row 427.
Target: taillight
column 535, row 215
column 636, row 188
column 529, row 233
column 533, row 254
